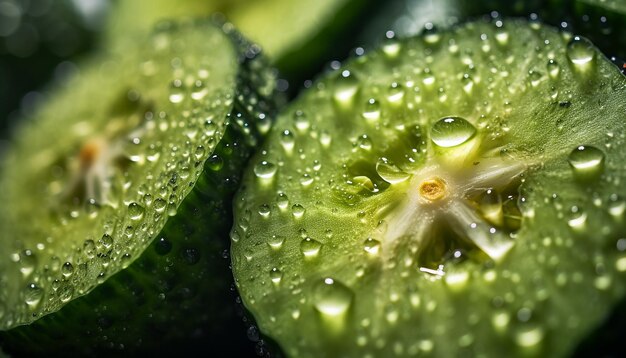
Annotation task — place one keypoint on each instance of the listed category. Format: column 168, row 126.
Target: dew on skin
column 331, row 297
column 310, row 247
column 265, row 170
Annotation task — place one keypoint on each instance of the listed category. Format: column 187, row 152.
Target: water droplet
column 364, row 142
column 297, row 210
column 287, row 140
column 301, row 121
column 106, row 241
column 529, row 336
column 67, row 269
column 580, row 51
column 431, row 35
column 33, row 295
column 310, row 247
column 576, row 218
column 163, row 246
column 215, row 162
column 586, row 161
column 198, row 90
column 275, row 241
column 306, row 180
column 502, row 37
column 27, row 262
column 395, row 93
column 135, row 211
column 371, row 246
column 265, row 170
column 264, row 210
column 177, row 93
column 553, row 68
column 372, row 110
column 391, row 48
column 390, row 172
column 331, row 297
column 160, row 205
column 491, row 206
column 276, row 275
column 451, row 131
column 346, row 87
column 467, row 83
column 66, row 292
column 535, row 78
column 282, row 201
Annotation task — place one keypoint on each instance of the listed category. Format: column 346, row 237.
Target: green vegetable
column 288, row 30
column 116, row 198
column 456, row 193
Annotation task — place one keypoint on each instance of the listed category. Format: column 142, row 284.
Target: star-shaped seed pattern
column 460, row 189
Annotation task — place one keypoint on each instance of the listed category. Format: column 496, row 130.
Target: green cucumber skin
column 176, row 298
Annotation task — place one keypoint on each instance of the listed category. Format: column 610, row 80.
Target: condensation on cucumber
column 93, row 176
column 459, row 192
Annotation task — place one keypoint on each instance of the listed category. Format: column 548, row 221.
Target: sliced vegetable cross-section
column 117, row 193
column 456, row 193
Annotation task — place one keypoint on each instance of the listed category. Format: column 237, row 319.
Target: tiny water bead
column 580, row 51
column 331, row 297
column 451, row 132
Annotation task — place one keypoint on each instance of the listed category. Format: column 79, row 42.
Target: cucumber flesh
column 455, row 193
column 146, row 143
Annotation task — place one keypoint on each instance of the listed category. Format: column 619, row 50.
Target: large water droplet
column 390, row 172
column 331, row 297
column 451, row 131
column 580, row 51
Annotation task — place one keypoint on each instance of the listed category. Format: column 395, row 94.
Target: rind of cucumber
column 174, row 298
column 310, row 247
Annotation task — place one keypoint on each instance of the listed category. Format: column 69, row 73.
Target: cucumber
column 117, row 196
column 299, row 36
column 460, row 193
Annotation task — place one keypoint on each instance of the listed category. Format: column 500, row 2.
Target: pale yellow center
column 433, row 189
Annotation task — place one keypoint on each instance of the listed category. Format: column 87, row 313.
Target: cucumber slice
column 295, row 34
column 457, row 193
column 117, row 197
